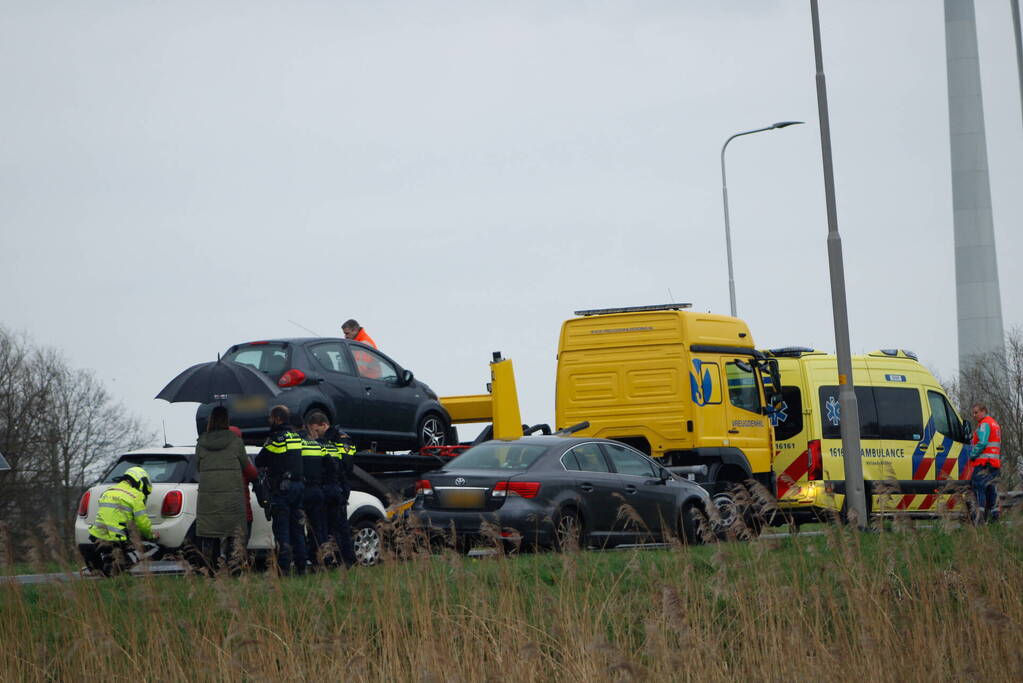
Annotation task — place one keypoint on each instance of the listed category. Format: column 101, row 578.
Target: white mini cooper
column 171, row 506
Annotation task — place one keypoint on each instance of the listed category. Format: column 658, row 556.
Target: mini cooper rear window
column 162, row 469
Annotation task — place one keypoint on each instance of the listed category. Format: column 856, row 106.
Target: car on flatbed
column 558, row 492
column 172, row 505
column 380, row 404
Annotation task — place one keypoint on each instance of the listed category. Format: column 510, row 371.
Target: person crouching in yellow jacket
column 121, row 506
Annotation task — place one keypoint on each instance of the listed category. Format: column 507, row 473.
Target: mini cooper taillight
column 83, row 505
column 172, row 502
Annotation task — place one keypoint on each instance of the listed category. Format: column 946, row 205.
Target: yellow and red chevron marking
column 792, row 474
column 946, row 469
column 921, row 473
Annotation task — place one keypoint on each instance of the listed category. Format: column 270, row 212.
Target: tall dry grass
column 915, row 604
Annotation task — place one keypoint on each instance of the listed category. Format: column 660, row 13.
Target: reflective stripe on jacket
column 282, row 453
column 119, row 505
column 313, row 462
column 988, row 440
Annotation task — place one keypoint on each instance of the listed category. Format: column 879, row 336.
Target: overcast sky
column 462, row 176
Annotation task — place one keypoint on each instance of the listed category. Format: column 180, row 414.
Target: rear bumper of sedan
column 516, row 521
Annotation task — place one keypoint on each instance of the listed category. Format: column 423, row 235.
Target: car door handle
column 369, row 390
column 939, row 449
column 630, row 489
column 733, row 431
column 587, row 488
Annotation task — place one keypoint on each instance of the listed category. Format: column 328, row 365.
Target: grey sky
column 461, row 176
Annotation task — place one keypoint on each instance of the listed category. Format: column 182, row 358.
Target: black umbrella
column 208, row 382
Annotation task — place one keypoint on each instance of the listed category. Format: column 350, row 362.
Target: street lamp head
column 785, row 124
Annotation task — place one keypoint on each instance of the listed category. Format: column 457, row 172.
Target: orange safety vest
column 365, row 338
column 992, row 453
column 368, row 365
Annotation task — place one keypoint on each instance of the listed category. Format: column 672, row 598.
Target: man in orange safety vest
column 986, row 459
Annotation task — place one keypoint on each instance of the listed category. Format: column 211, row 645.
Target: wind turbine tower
column 978, row 299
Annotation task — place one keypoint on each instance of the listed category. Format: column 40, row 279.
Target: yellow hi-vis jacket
column 118, row 505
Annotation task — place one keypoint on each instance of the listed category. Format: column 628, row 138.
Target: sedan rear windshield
column 269, row 358
column 497, row 455
column 162, row 469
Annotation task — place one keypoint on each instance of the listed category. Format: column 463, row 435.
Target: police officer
column 282, row 458
column 120, row 506
column 986, row 458
column 314, row 466
column 340, row 449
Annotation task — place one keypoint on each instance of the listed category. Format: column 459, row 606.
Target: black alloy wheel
column 433, row 430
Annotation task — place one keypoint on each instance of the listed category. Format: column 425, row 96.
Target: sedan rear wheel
column 568, row 531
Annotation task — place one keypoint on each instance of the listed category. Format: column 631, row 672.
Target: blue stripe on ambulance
column 923, row 445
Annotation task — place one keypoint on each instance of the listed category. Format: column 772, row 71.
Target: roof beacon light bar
column 634, row 309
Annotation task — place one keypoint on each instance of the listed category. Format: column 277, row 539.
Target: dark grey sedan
column 553, row 491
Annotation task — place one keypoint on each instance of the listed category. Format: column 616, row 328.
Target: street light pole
column 724, row 196
column 848, row 408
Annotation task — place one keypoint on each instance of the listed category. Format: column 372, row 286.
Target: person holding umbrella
column 282, row 457
column 221, row 510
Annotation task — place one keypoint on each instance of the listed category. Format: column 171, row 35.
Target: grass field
column 932, row 604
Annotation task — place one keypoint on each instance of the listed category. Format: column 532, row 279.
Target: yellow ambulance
column 912, row 441
column 682, row 386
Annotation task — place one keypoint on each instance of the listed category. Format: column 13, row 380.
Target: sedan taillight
column 424, row 487
column 172, row 503
column 83, row 505
column 525, row 489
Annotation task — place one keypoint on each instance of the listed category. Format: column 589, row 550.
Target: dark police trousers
column 336, row 509
column 289, row 532
column 313, row 505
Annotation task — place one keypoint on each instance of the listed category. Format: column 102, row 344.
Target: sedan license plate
column 462, row 498
column 250, row 404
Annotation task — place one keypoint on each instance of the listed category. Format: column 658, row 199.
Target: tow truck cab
column 682, row 386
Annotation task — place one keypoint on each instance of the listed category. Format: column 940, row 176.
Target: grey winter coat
column 222, row 489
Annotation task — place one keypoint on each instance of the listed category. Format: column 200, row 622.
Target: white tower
column 978, row 300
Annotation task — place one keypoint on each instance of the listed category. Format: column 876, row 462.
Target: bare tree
column 59, row 428
column 997, row 382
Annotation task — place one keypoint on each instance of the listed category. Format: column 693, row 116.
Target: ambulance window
column 787, row 417
column 742, row 386
column 899, row 413
column 831, row 414
column 945, row 419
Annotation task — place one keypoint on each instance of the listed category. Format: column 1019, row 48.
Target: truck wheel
column 432, row 431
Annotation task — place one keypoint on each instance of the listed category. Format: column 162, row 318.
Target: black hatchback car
column 556, row 492
column 379, row 403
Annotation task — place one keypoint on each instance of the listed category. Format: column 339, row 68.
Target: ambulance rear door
column 791, row 457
